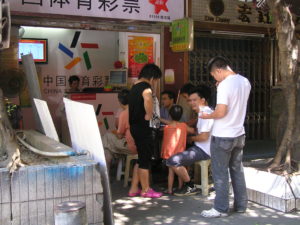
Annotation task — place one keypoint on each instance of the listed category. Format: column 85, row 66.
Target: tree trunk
column 8, row 144
column 288, row 55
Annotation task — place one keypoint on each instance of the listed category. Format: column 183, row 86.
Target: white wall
column 102, row 60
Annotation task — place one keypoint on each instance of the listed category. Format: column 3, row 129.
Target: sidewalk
column 186, row 210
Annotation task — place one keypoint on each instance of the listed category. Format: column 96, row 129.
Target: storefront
column 87, row 39
column 244, row 33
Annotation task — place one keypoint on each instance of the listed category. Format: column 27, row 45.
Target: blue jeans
column 227, row 153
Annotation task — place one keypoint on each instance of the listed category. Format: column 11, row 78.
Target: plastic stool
column 120, row 171
column 129, row 158
column 204, row 166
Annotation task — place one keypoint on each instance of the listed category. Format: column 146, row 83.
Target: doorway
column 250, row 57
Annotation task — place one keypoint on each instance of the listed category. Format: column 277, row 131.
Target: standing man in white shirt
column 228, row 137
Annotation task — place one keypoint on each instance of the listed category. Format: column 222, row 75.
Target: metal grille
column 250, row 58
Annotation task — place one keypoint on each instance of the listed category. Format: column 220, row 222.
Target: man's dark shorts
column 187, row 157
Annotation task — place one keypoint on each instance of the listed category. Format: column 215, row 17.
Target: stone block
column 36, row 190
column 272, row 190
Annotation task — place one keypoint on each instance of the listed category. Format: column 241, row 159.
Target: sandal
column 166, row 192
column 135, row 194
column 151, row 194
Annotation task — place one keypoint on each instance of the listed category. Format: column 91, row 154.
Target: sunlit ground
column 186, row 210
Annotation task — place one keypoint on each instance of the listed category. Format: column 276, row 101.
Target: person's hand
column 147, row 117
column 190, row 140
column 204, row 116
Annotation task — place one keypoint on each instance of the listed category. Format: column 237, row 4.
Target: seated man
column 119, row 141
column 200, row 150
column 183, row 100
column 74, row 83
column 167, row 101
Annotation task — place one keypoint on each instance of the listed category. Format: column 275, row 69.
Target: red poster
column 140, row 52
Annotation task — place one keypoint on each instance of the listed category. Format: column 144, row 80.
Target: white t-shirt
column 234, row 92
column 205, row 125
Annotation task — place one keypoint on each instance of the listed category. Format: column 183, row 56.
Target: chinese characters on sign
column 61, row 81
column 244, row 10
column 151, row 10
column 140, row 52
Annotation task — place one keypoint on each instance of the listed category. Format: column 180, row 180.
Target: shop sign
column 140, row 52
column 150, row 10
column 216, row 19
column 182, row 35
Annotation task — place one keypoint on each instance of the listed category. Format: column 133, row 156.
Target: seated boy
column 174, row 141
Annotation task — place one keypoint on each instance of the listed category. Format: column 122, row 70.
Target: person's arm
column 190, row 130
column 115, row 132
column 200, row 137
column 165, row 121
column 120, row 133
column 148, row 103
column 192, row 122
column 220, row 112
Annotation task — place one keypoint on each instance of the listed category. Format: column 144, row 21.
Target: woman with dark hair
column 140, row 112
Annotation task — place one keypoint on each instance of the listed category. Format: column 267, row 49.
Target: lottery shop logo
column 159, row 5
column 75, row 60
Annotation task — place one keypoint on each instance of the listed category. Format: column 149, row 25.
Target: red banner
column 81, row 96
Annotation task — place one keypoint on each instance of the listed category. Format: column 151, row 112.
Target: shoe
column 239, row 210
column 186, row 191
column 212, row 213
column 151, row 194
column 135, row 194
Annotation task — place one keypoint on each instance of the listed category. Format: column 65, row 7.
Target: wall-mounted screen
column 118, row 78
column 37, row 47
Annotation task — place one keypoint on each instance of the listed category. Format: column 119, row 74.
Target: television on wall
column 37, row 47
column 118, row 78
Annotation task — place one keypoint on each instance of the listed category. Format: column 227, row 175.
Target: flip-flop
column 151, row 194
column 135, row 194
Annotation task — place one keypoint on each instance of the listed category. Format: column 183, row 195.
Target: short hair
column 218, row 62
column 170, row 94
column 203, row 91
column 123, row 96
column 186, row 88
column 176, row 112
column 149, row 71
column 73, row 78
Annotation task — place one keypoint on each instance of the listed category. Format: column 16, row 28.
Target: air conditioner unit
column 5, row 25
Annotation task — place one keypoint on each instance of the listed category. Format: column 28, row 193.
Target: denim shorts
column 187, row 157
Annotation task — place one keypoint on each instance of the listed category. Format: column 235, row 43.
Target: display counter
column 106, row 106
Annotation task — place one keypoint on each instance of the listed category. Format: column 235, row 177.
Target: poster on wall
column 182, row 35
column 140, row 52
